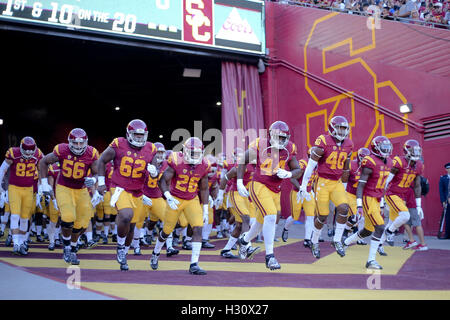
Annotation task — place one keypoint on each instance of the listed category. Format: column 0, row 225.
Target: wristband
column 240, row 181
column 419, row 202
column 167, row 194
column 101, row 180
column 359, row 202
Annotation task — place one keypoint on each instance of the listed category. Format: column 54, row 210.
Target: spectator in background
column 407, row 7
column 437, row 13
column 444, row 192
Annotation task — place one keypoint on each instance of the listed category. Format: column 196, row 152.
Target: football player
column 76, row 158
column 375, row 169
column 352, row 184
column 109, row 219
column 187, row 172
column 154, row 203
column 54, row 227
column 240, row 207
column 272, row 156
column 133, row 156
column 296, row 207
column 406, row 171
column 22, row 162
column 331, row 154
column 212, row 187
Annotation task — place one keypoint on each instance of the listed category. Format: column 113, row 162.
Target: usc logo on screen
column 197, row 21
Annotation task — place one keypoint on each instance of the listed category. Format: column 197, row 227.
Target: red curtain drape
column 241, row 102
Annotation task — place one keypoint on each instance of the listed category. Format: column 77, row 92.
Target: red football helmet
column 78, row 141
column 193, row 150
column 362, row 152
column 279, row 134
column 160, row 152
column 137, row 133
column 339, row 127
column 381, row 147
column 27, row 147
column 412, row 150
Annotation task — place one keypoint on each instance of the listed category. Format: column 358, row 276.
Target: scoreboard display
column 231, row 25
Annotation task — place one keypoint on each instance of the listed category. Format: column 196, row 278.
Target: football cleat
column 389, row 237
column 321, row 239
column 410, row 245
column 372, row 264
column 16, row 249
column 91, row 244
column 23, row 249
column 39, row 238
column 339, row 248
column 114, row 238
column 171, row 252
column 124, row 267
column 219, row 235
column 330, row 233
column 66, row 254
column 51, row 247
column 73, row 259
column 58, row 243
column 121, row 255
column 187, row 245
column 381, row 251
column 307, row 243
column 194, row 268
column 259, row 239
column 137, row 251
column 154, row 261
column 315, row 250
column 8, row 240
column 228, row 254
column 143, row 242
column 272, row 263
column 105, row 238
column 361, row 242
column 242, row 247
column 234, row 247
column 207, row 245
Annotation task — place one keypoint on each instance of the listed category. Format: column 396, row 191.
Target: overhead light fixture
column 218, row 103
column 406, row 108
column 1, row 122
column 117, row 108
column 192, row 73
column 160, row 136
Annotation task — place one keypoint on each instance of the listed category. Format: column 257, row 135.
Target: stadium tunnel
column 52, row 84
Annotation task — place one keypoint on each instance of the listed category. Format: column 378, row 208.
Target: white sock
column 184, row 232
column 98, row 229
column 309, row 222
column 158, row 246
column 289, row 222
column 169, row 241
column 107, row 230
column 114, row 229
column 352, row 239
column 39, row 230
column 269, row 226
column 33, row 227
column 206, row 231
column 16, row 239
column 196, row 247
column 231, row 242
column 135, row 243
column 141, row 233
column 51, row 232
column 120, row 240
column 315, row 234
column 253, row 232
column 252, row 221
column 339, row 231
column 374, row 244
column 89, row 235
column 3, row 226
column 361, row 224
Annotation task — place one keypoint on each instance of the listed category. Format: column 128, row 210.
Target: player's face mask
column 278, row 140
column 78, row 146
column 385, row 149
column 414, row 153
column 160, row 156
column 341, row 132
column 193, row 156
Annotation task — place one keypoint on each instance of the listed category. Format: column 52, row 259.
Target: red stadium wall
column 324, row 64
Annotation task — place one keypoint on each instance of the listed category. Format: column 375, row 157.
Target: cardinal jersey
column 405, row 176
column 130, row 165
column 184, row 184
column 22, row 172
column 355, row 174
column 377, row 180
column 303, row 163
column 249, row 170
column 331, row 164
column 74, row 168
column 151, row 188
column 269, row 160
